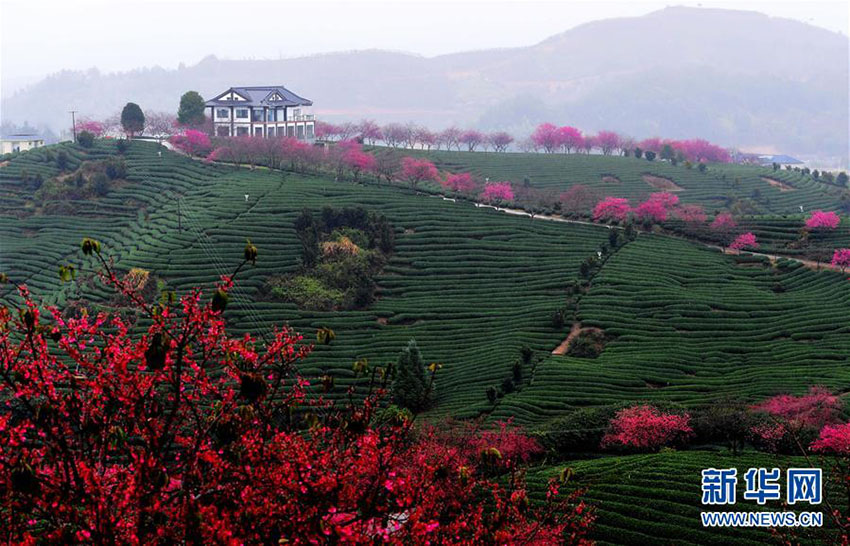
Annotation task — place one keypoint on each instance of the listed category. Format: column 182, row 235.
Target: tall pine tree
column 410, row 388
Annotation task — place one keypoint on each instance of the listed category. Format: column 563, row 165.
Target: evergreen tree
column 191, row 111
column 132, row 119
column 410, row 388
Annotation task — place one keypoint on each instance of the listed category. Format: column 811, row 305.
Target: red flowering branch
column 172, row 431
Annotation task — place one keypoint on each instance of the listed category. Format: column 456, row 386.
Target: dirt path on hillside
column 562, row 348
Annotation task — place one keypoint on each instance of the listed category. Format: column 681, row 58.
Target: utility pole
column 74, row 123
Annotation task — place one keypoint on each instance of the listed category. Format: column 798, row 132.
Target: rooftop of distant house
column 271, row 95
column 21, row 137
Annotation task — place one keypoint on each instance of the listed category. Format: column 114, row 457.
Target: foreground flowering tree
column 646, row 428
column 175, row 432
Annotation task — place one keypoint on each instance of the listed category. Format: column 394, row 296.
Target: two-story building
column 266, row 111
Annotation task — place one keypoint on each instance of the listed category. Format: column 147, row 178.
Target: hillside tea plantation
column 680, row 322
column 625, row 177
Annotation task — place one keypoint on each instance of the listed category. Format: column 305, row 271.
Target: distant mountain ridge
column 737, row 78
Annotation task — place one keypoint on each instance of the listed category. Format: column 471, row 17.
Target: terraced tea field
column 471, row 285
column 692, row 325
column 774, row 192
column 684, row 323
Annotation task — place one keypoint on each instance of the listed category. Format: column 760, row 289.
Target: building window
column 290, row 131
column 241, row 131
column 242, row 113
column 281, row 114
column 310, row 131
column 300, row 132
column 271, row 131
column 223, row 113
column 258, row 131
column 257, row 114
column 223, row 131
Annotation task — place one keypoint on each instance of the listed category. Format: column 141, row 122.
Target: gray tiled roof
column 259, row 96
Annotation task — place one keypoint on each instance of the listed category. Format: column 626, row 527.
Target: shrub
column 100, row 184
column 122, row 145
column 650, row 155
column 589, row 343
column 115, row 168
column 578, row 431
column 85, row 139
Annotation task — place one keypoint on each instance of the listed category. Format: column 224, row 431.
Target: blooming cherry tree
column 415, row 171
column 497, row 191
column 822, row 221
column 745, row 240
column 841, row 258
column 645, row 427
column 612, row 208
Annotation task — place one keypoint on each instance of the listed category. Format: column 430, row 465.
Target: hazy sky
column 38, row 37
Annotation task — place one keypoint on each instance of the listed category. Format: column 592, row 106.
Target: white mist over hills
column 738, row 78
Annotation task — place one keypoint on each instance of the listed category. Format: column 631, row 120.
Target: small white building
column 267, row 111
column 20, row 143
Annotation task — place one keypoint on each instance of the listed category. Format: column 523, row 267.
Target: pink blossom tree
column 744, row 240
column 450, row 137
column 192, row 142
column 94, row 127
column 833, row 439
column 471, row 139
column 326, row 131
column 841, row 258
column 822, row 221
column 612, row 208
column 579, row 199
column 369, row 131
column 651, row 211
column 497, row 191
column 608, row 141
column 460, row 182
column 588, row 143
column 500, row 140
column 415, row 171
column 691, row 214
column 646, row 428
column 425, row 138
column 723, row 225
column 395, row 134
column 546, row 136
column 791, row 417
column 355, row 159
column 570, row 138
